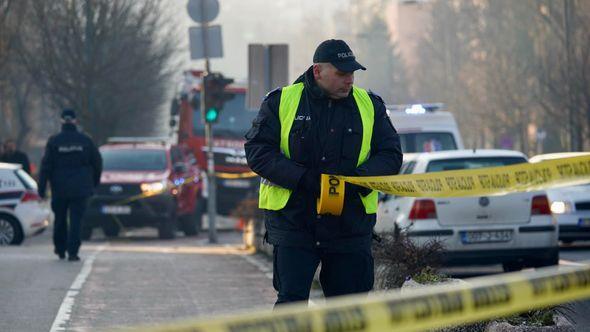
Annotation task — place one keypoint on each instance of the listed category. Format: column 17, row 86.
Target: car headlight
column 561, row 207
column 154, row 188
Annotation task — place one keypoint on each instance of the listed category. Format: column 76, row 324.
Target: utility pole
column 202, row 47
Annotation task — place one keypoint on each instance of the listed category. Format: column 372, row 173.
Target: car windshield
column 134, row 160
column 234, row 119
column 472, row 163
column 427, row 142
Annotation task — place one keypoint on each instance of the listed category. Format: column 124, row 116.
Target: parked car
column 570, row 205
column 515, row 230
column 22, row 212
column 146, row 182
column 425, row 128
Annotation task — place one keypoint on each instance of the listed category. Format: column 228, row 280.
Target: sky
column 302, row 24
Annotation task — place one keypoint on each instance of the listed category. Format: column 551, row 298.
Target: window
column 427, row 142
column 134, row 160
column 26, row 179
column 472, row 163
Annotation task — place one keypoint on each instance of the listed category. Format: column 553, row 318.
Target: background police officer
column 321, row 124
column 72, row 165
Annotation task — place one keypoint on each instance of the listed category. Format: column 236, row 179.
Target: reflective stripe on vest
column 275, row 197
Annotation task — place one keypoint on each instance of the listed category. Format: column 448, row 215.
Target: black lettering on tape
column 533, row 176
column 404, row 186
column 581, row 168
column 333, row 182
column 460, row 183
column 286, row 324
column 349, row 319
column 491, row 296
column 494, row 181
column 426, row 307
column 539, row 287
column 430, row 185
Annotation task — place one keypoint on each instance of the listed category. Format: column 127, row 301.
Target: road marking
column 566, row 262
column 65, row 310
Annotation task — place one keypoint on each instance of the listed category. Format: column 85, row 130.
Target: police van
column 22, row 211
column 425, row 128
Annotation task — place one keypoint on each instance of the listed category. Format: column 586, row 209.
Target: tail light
column 423, row 209
column 540, row 206
column 30, row 196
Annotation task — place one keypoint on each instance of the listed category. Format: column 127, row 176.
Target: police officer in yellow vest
column 321, row 124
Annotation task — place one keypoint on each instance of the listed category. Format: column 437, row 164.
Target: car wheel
column 191, row 224
column 110, row 228
column 167, row 228
column 512, row 266
column 11, row 232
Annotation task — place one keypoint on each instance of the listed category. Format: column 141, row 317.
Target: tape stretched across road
column 431, row 307
column 474, row 182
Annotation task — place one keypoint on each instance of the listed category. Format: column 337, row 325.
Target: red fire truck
column 234, row 120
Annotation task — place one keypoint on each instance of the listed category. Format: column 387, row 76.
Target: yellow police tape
column 475, row 300
column 459, row 183
column 222, row 175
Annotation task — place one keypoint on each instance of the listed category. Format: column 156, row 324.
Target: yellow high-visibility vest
column 275, row 197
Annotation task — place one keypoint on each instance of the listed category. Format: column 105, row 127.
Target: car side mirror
column 179, row 168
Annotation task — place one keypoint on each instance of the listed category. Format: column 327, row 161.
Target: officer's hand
column 310, row 182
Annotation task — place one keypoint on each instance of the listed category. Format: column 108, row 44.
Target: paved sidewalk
column 153, row 281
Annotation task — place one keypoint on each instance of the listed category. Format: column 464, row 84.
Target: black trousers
column 66, row 233
column 340, row 274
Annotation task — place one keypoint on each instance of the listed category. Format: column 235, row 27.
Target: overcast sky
column 302, row 24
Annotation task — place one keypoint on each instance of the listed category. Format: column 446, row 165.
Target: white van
column 425, row 128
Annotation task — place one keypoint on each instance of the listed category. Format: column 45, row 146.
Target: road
column 139, row 279
column 134, row 280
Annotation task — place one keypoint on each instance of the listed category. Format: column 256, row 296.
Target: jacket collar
column 68, row 127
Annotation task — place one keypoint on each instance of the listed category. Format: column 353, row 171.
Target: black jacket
column 72, row 164
column 326, row 137
column 17, row 157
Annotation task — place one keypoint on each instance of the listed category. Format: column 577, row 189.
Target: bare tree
column 107, row 59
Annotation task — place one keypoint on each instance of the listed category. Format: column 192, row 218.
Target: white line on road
column 65, row 310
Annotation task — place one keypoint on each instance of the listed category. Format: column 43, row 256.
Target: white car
column 22, row 211
column 570, row 205
column 425, row 128
column 515, row 230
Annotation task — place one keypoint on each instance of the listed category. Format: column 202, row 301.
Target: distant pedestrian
column 72, row 165
column 11, row 154
column 321, row 124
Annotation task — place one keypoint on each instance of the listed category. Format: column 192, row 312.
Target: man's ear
column 317, row 68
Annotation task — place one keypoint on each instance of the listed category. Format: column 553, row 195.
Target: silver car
column 516, row 230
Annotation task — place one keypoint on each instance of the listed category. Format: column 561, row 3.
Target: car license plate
column 584, row 222
column 486, row 236
column 116, row 209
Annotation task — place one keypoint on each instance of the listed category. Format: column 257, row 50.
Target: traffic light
column 215, row 95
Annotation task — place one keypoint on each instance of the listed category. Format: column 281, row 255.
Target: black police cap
column 68, row 114
column 337, row 52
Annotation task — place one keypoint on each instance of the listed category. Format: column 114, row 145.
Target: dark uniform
column 325, row 137
column 72, row 164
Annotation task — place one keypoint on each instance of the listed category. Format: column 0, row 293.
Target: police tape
column 459, row 183
column 475, row 300
column 244, row 175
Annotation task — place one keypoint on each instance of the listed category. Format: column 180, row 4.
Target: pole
column 211, row 185
column 570, row 109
